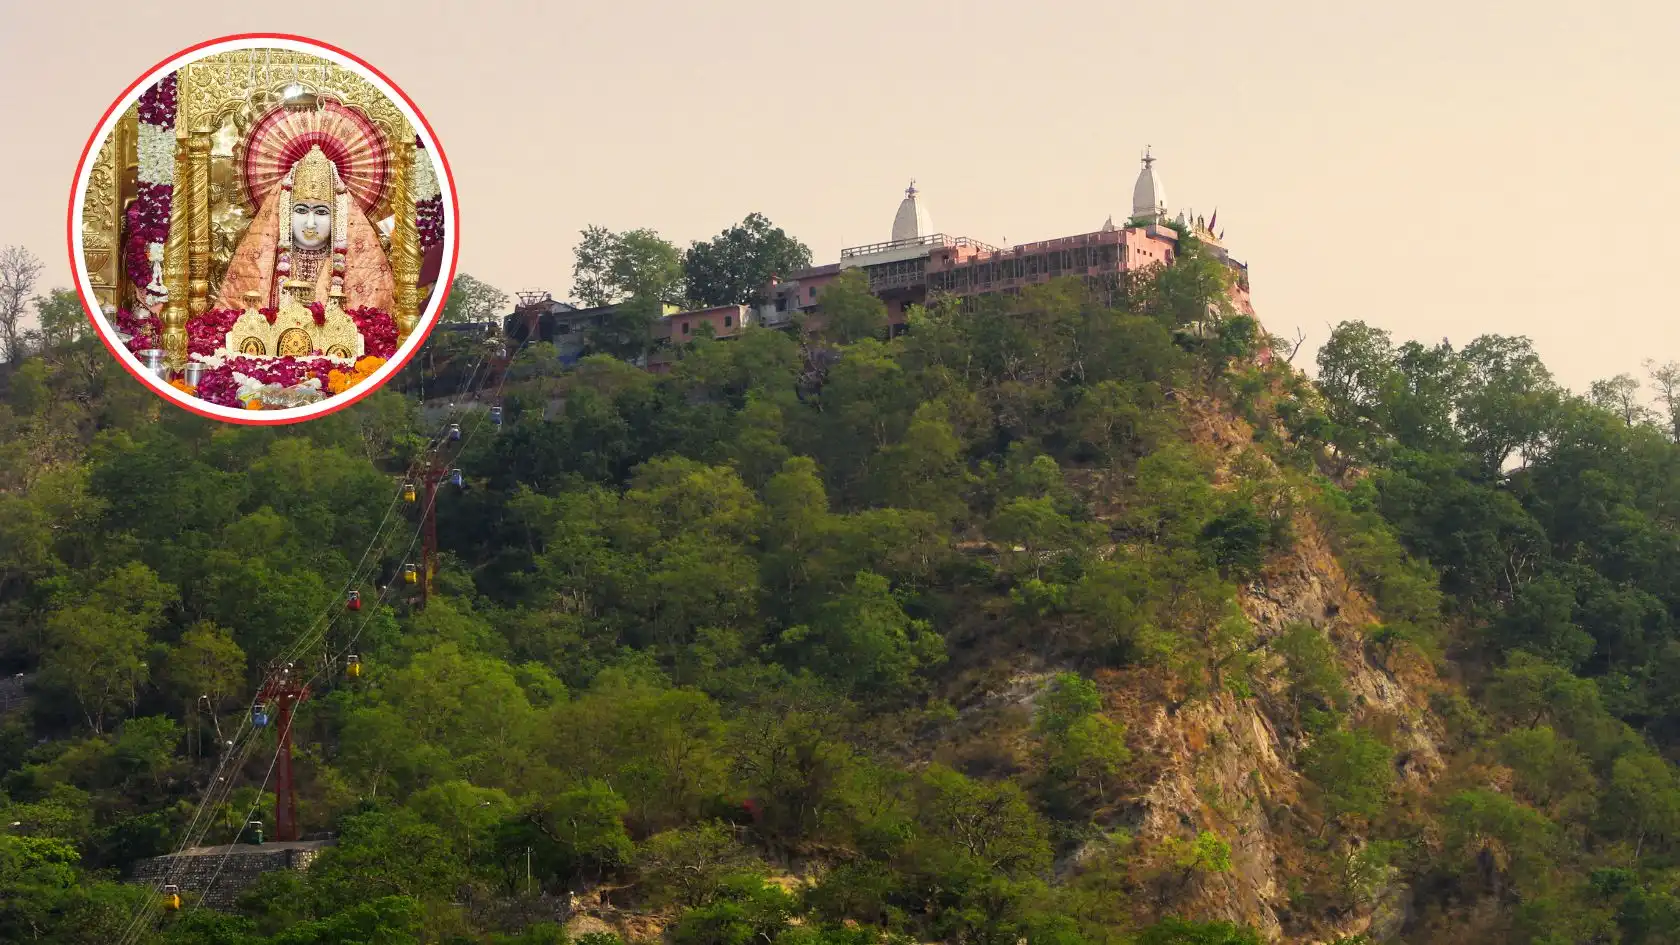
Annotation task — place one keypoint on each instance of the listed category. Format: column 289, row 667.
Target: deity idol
column 309, row 238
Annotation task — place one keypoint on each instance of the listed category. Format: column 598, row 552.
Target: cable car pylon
column 284, row 690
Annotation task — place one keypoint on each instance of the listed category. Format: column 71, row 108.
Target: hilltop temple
column 918, row 261
column 915, row 262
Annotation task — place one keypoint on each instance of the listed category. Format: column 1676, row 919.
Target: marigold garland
column 340, row 381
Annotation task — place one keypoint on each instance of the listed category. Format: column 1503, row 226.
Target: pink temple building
column 918, row 261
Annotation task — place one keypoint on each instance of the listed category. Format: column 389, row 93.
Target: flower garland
column 378, row 330
column 208, row 332
column 428, row 199
column 340, row 381
column 235, row 380
column 147, row 218
column 241, row 381
column 143, row 330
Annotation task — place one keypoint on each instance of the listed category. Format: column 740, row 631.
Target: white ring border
column 85, row 283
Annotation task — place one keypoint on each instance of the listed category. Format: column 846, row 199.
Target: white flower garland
column 425, row 177
column 221, row 356
column 155, row 151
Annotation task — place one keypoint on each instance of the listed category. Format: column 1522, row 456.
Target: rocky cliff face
column 1228, row 764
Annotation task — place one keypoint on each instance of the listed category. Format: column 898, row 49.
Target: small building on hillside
column 679, row 328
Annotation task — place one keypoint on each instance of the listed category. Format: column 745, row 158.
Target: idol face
column 311, row 224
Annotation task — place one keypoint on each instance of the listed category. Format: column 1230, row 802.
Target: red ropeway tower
column 285, row 690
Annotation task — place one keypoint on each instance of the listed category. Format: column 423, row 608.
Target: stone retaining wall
column 217, row 876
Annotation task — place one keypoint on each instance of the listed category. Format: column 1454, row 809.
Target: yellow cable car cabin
column 408, row 493
column 172, row 898
column 411, row 574
column 353, row 666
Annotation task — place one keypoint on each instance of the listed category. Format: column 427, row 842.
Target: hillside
column 1045, row 621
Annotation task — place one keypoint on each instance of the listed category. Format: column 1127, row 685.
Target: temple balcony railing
column 932, row 241
column 902, row 280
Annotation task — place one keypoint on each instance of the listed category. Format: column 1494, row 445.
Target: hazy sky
column 1438, row 169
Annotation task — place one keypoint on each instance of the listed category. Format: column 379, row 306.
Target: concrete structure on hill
column 217, row 876
column 14, row 692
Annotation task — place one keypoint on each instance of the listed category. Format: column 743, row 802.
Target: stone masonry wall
column 215, row 877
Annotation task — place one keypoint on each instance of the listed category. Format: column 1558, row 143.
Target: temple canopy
column 912, row 219
column 1149, row 198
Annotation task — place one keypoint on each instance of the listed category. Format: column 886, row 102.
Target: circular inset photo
column 263, row 229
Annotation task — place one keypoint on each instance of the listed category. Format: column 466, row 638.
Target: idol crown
column 314, row 178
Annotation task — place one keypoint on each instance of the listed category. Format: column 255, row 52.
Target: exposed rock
column 1226, row 764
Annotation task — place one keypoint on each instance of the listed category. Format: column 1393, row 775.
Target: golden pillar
column 405, row 242
column 175, row 265
column 198, row 238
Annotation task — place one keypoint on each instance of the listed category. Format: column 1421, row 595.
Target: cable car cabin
column 353, row 600
column 456, row 480
column 411, row 574
column 353, row 666
column 496, row 415
column 254, row 832
column 454, row 431
column 408, row 493
column 172, row 898
column 259, row 715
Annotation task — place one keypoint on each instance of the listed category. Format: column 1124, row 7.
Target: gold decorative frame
column 337, row 336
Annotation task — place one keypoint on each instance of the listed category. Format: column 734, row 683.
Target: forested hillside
column 1045, row 621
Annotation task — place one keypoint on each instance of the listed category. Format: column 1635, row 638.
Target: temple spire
column 912, row 220
column 1149, row 198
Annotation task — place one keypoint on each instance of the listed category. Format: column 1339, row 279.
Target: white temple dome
column 1149, row 198
column 912, row 219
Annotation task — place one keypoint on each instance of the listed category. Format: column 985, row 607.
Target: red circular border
column 121, row 354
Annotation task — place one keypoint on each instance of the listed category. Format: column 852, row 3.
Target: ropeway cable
column 306, row 640
column 244, row 739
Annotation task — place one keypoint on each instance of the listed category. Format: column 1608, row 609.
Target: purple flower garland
column 147, row 218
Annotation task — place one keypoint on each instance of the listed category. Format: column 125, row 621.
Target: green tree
column 62, row 320
column 613, row 267
column 206, row 662
column 1316, row 687
column 736, row 266
column 1175, row 931
column 1508, row 402
column 688, row 865
column 97, row 650
column 1207, row 853
column 1356, row 371
column 850, row 312
column 473, row 301
column 1354, row 770
column 866, row 641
